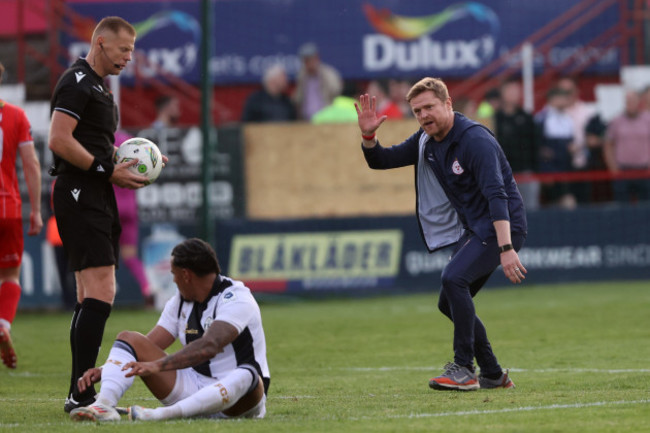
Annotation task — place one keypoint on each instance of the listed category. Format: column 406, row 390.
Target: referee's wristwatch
column 506, row 247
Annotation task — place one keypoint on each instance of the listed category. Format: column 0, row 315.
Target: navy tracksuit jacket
column 472, row 170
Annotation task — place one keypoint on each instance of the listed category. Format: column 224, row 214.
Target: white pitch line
column 515, row 409
column 31, row 375
column 438, row 414
column 289, row 397
column 67, row 423
column 55, row 400
column 435, row 368
column 47, row 400
column 581, row 370
column 514, row 370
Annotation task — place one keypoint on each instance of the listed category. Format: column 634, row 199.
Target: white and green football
column 149, row 158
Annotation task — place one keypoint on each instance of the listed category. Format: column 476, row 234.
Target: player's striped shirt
column 232, row 302
column 14, row 132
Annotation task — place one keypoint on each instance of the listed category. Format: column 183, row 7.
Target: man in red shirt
column 385, row 105
column 15, row 137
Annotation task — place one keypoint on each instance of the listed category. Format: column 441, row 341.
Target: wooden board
column 299, row 170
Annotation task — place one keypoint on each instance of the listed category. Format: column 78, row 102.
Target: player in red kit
column 15, row 138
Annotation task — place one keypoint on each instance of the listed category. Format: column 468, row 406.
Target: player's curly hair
column 197, row 256
column 435, row 85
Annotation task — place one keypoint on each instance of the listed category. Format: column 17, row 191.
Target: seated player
column 220, row 372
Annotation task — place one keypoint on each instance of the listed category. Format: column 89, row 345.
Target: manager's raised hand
column 367, row 118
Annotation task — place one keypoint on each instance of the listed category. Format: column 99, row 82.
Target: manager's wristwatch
column 506, row 247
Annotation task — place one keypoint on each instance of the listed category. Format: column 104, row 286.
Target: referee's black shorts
column 88, row 221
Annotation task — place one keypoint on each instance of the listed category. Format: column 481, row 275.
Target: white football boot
column 97, row 412
column 139, row 413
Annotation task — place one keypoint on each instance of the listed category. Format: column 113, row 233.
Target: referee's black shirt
column 81, row 93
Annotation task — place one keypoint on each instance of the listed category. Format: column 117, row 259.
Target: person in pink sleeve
column 128, row 210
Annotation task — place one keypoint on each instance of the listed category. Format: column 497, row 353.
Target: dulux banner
column 361, row 38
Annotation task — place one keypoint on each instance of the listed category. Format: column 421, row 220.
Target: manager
column 466, row 197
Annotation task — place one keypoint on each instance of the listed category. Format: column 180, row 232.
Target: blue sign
column 40, row 277
column 361, row 38
column 383, row 254
column 388, row 254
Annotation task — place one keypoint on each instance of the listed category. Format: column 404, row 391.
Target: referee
column 467, row 197
column 84, row 120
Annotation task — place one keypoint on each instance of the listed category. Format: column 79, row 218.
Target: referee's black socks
column 89, row 331
column 73, row 347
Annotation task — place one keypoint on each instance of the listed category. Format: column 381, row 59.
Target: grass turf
column 578, row 355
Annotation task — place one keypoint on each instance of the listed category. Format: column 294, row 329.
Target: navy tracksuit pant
column 471, row 264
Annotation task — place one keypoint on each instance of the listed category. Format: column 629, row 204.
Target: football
column 146, row 152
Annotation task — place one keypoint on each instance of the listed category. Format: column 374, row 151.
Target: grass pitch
column 577, row 353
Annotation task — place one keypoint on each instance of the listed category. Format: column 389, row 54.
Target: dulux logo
column 176, row 59
column 404, row 43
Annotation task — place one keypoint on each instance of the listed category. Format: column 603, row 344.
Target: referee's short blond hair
column 114, row 25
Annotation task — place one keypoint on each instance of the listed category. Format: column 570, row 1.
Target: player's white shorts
column 189, row 381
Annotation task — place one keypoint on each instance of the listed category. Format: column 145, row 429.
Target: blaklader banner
column 360, row 256
column 387, row 254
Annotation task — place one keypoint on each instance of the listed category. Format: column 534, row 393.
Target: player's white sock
column 114, row 382
column 211, row 399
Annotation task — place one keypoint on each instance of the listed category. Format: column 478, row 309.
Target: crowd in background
column 319, row 94
column 567, row 135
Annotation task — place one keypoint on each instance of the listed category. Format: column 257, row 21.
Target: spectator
column 397, row 91
column 465, row 106
column 580, row 113
column 515, row 131
column 627, row 147
column 66, row 277
column 645, row 98
column 601, row 190
column 555, row 136
column 168, row 109
column 164, row 129
column 487, row 107
column 341, row 110
column 317, row 83
column 385, row 106
column 271, row 103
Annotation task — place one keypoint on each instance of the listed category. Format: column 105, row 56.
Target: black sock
column 73, row 346
column 493, row 376
column 88, row 338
